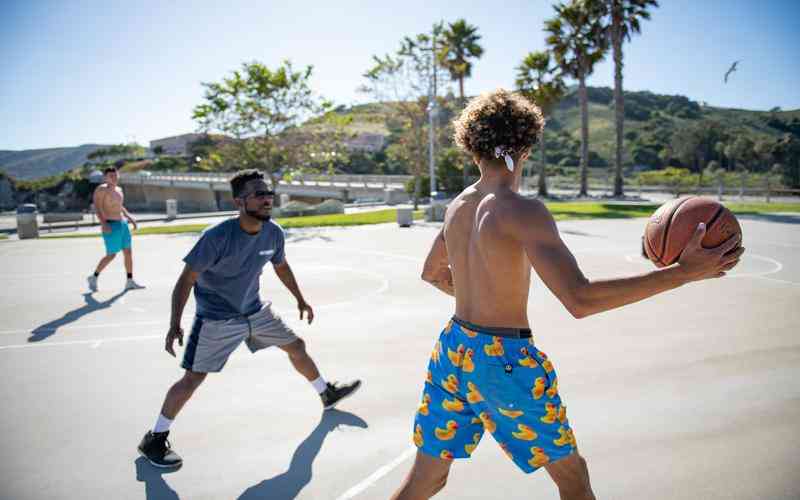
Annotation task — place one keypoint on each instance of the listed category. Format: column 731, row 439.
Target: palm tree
column 625, row 17
column 576, row 39
column 536, row 80
column 459, row 45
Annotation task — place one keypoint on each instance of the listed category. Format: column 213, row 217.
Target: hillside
column 650, row 121
column 36, row 163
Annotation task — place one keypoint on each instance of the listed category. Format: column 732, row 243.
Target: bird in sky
column 730, row 70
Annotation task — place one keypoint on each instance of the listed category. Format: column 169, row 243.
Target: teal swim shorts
column 118, row 239
column 492, row 379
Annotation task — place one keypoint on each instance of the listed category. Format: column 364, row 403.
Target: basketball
column 671, row 227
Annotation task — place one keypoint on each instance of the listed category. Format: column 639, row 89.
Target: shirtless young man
column 108, row 199
column 486, row 372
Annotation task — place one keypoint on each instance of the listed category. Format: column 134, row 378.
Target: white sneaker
column 92, row 281
column 132, row 285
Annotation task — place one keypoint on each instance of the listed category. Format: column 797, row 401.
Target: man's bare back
column 491, row 273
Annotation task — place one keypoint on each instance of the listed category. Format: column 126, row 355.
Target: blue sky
column 76, row 72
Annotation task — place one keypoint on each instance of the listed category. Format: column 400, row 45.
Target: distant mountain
column 37, row 163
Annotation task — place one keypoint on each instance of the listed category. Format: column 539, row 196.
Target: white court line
column 372, row 479
column 638, row 259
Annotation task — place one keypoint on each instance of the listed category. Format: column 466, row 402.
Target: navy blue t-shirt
column 229, row 262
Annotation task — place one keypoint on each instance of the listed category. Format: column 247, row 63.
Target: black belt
column 497, row 331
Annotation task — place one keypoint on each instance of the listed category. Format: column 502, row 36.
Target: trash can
column 405, row 216
column 172, row 209
column 27, row 222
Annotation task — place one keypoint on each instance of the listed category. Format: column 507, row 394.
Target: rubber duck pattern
column 477, row 382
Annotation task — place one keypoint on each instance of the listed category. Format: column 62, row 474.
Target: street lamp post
column 432, row 112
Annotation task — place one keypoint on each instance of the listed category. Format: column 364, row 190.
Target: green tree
column 537, row 80
column 696, row 144
column 403, row 82
column 787, row 152
column 625, row 16
column 576, row 39
column 458, row 47
column 258, row 106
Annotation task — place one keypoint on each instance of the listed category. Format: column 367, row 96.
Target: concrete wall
column 154, row 198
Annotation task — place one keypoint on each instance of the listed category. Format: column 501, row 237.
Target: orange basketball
column 671, row 227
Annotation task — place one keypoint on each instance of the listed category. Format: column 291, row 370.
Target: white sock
column 162, row 424
column 319, row 384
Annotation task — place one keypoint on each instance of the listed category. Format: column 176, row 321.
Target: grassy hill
column 37, row 163
column 650, row 121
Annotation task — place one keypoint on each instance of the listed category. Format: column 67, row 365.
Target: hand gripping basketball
column 700, row 263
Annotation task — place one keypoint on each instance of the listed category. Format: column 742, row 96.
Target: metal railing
column 351, row 181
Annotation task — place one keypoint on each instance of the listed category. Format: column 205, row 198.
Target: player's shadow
column 91, row 305
column 155, row 488
column 288, row 485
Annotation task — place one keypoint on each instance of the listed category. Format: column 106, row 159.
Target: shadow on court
column 155, row 487
column 44, row 331
column 288, row 485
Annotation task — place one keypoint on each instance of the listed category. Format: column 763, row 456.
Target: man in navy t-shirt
column 224, row 268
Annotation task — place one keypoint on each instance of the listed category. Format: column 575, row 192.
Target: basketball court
column 694, row 394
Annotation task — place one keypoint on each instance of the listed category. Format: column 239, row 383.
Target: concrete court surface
column 693, row 394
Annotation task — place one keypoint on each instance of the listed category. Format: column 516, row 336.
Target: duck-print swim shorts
column 492, row 379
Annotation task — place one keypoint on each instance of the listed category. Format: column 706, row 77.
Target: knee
column 297, row 349
column 191, row 381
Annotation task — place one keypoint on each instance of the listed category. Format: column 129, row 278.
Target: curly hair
column 499, row 118
column 241, row 178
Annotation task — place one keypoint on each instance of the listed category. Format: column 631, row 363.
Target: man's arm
column 286, row 276
column 180, row 294
column 97, row 199
column 436, row 270
column 129, row 217
column 559, row 270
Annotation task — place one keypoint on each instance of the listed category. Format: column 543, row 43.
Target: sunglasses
column 260, row 194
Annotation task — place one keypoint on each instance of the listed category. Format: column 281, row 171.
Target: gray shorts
column 212, row 341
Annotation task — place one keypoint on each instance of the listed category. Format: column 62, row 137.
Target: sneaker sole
column 331, row 407
column 160, row 466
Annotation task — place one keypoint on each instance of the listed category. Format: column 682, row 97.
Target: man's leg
column 106, row 260
column 129, row 283
column 126, row 252
column 154, row 445
column 427, row 477
column 330, row 394
column 300, row 359
column 571, row 475
column 92, row 278
column 180, row 392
